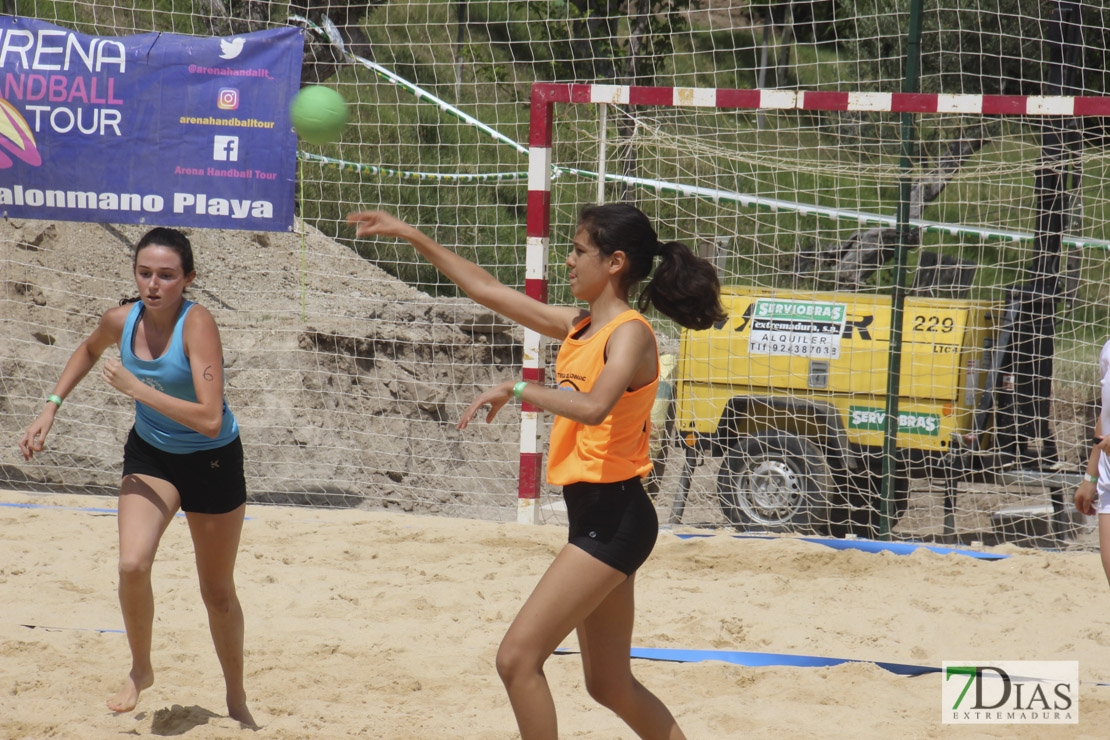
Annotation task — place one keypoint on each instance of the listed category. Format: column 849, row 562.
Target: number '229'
column 933, row 323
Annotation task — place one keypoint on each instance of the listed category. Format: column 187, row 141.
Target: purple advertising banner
column 149, row 129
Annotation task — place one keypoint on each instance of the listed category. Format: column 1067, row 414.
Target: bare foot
column 128, row 695
column 237, row 710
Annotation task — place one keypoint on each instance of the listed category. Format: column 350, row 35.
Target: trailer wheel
column 774, row 481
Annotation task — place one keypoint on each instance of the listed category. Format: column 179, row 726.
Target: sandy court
column 381, row 625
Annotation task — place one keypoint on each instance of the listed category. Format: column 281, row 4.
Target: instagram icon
column 228, row 98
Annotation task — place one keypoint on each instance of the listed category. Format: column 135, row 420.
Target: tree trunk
column 599, row 26
column 782, row 58
column 761, row 78
column 321, row 59
column 639, row 22
column 929, row 187
column 462, row 19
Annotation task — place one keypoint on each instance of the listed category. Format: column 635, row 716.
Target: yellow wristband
column 56, row 400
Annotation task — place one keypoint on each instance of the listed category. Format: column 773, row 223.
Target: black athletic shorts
column 208, row 481
column 614, row 522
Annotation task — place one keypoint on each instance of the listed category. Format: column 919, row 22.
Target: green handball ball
column 319, row 114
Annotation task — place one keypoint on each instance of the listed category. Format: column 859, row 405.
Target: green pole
column 898, row 290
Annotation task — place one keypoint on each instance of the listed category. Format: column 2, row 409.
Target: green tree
column 976, row 47
column 784, row 23
column 593, row 40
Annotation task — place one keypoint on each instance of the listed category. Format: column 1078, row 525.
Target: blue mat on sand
column 762, row 660
column 47, row 506
column 898, row 548
column 81, row 508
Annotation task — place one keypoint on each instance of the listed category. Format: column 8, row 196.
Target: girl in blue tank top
column 183, row 453
column 172, row 375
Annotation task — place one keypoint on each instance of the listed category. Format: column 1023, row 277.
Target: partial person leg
column 573, row 586
column 146, row 507
column 605, row 637
column 216, row 543
column 1104, row 542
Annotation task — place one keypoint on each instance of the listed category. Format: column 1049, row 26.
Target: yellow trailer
column 791, row 391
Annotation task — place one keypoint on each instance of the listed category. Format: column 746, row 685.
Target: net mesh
column 349, row 362
column 1001, row 331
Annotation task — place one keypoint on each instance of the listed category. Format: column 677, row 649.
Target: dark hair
column 684, row 287
column 163, row 237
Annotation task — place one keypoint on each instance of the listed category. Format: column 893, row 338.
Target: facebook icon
column 225, row 148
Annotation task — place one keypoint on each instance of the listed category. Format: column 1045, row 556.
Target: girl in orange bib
column 606, row 372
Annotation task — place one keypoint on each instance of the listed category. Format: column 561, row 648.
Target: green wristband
column 56, row 400
column 1090, row 478
column 518, row 389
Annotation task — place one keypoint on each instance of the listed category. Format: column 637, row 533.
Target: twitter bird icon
column 229, row 49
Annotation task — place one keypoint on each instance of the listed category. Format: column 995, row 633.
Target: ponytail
column 684, row 287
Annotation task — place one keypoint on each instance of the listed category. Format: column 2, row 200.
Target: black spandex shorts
column 614, row 522
column 208, row 481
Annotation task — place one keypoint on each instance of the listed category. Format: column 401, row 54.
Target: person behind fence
column 182, row 452
column 607, row 371
column 1093, row 494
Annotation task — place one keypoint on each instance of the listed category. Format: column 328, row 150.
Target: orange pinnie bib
column 617, row 448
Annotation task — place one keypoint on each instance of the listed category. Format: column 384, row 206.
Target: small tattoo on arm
column 207, row 373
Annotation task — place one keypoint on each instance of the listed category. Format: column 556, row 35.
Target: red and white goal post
column 770, row 176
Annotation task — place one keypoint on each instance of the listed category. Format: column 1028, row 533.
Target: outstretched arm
column 205, row 352
column 475, row 281
column 106, row 333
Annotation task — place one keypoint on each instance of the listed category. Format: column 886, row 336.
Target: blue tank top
column 172, row 375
